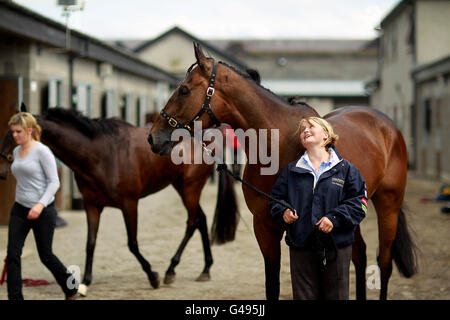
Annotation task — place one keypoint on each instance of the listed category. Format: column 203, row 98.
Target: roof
column 126, row 44
column 205, row 44
column 296, row 46
column 316, row 88
column 26, row 23
column 431, row 70
column 272, row 45
column 395, row 11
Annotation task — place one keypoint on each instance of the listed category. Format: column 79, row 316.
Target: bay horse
column 113, row 166
column 368, row 138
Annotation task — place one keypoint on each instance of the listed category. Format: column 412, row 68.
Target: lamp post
column 70, row 6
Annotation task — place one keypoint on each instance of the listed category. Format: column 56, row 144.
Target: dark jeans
column 311, row 280
column 43, row 229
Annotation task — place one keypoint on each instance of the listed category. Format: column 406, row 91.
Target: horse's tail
column 226, row 216
column 404, row 251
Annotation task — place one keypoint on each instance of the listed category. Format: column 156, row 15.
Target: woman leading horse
column 113, row 166
column 215, row 93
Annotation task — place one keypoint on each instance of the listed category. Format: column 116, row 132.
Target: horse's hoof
column 203, row 277
column 169, row 278
column 82, row 290
column 155, row 282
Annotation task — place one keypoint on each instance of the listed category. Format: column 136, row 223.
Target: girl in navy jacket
column 329, row 197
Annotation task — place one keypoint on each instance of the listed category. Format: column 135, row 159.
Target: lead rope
column 27, row 282
column 223, row 166
column 2, row 279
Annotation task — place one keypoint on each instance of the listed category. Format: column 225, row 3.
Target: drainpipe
column 71, row 106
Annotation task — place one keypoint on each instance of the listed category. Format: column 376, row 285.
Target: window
column 140, row 111
column 83, row 99
column 55, row 93
column 437, row 112
column 107, row 108
column 427, row 115
column 126, row 107
column 52, row 95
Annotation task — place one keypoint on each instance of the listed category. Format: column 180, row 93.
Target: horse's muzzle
column 163, row 149
column 156, row 148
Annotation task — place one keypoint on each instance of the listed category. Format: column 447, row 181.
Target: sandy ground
column 238, row 270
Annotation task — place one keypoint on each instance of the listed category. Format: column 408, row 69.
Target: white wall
column 432, row 30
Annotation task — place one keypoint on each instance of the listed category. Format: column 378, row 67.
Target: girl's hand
column 36, row 211
column 325, row 225
column 289, row 216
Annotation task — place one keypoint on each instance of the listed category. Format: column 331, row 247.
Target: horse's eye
column 183, row 91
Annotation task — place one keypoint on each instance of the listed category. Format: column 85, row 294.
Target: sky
column 222, row 19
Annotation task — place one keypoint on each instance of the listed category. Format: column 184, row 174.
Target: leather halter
column 9, row 157
column 174, row 123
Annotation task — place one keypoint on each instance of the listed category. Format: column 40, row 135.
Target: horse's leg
column 170, row 273
column 359, row 259
column 93, row 220
column 387, row 203
column 269, row 239
column 129, row 211
column 196, row 219
column 203, row 228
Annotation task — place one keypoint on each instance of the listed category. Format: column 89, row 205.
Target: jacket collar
column 301, row 166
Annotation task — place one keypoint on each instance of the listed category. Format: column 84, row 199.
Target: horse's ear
column 23, row 107
column 254, row 74
column 202, row 60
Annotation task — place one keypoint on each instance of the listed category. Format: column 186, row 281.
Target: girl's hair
column 326, row 126
column 26, row 120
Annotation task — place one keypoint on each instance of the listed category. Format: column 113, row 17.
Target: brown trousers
column 311, row 280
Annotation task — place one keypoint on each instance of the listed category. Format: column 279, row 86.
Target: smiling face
column 312, row 134
column 20, row 134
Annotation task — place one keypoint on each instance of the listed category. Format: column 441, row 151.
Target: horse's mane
column 250, row 74
column 254, row 76
column 89, row 127
column 297, row 101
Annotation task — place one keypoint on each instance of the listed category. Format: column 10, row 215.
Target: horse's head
column 7, row 145
column 197, row 98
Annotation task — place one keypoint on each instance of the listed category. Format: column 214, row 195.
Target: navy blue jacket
column 339, row 194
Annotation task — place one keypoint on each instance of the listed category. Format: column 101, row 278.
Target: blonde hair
column 26, row 120
column 326, row 126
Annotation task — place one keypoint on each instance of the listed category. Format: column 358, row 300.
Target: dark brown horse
column 367, row 138
column 113, row 166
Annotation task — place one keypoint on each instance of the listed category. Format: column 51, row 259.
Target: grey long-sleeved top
column 36, row 175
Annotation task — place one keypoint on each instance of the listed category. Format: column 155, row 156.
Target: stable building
column 432, row 118
column 326, row 73
column 411, row 84
column 45, row 65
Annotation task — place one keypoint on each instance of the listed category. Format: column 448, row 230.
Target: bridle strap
column 8, row 157
column 206, row 107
